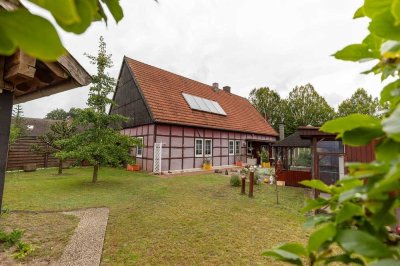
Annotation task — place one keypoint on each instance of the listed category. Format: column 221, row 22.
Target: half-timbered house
column 183, row 122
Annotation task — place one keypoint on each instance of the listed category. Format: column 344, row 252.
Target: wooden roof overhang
column 310, row 132
column 293, row 141
column 29, row 78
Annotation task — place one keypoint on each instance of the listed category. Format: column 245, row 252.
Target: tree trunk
column 95, row 172
column 60, row 166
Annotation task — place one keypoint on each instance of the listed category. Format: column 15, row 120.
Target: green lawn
column 194, row 219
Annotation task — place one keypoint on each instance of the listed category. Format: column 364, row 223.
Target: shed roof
column 294, row 141
column 162, row 91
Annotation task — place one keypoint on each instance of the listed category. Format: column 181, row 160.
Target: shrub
column 235, row 180
column 256, row 178
column 23, row 250
column 10, row 239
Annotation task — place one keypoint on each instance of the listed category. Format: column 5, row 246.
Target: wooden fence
column 292, row 177
column 20, row 153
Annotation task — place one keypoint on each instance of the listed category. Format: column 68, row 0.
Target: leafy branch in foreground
column 360, row 224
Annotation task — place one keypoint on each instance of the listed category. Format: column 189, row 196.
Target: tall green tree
column 59, row 131
column 101, row 143
column 359, row 103
column 304, row 106
column 18, row 121
column 57, row 114
column 360, row 225
column 268, row 103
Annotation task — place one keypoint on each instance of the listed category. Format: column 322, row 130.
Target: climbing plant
column 360, row 226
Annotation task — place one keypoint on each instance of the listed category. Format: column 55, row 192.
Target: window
column 199, row 148
column 202, row 104
column 139, row 149
column 208, row 147
column 249, row 148
column 231, row 147
column 237, row 147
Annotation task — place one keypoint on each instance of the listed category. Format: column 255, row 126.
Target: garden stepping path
column 86, row 245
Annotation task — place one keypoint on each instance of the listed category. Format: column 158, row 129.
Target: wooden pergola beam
column 19, row 68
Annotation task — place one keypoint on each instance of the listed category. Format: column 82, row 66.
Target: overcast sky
column 243, row 44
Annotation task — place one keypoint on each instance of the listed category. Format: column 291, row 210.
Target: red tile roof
column 163, row 93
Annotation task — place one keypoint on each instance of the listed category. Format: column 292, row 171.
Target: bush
column 23, row 250
column 256, row 178
column 235, row 180
column 10, row 239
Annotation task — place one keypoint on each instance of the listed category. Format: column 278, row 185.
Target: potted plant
column 238, row 161
column 30, row 167
column 264, row 159
column 133, row 166
column 207, row 165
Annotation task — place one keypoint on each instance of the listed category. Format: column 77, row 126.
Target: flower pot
column 266, row 165
column 133, row 167
column 207, row 166
column 30, row 167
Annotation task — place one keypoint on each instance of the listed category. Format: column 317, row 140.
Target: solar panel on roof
column 202, row 104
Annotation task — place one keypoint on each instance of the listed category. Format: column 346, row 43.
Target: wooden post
column 6, row 103
column 243, row 189
column 315, row 163
column 251, row 184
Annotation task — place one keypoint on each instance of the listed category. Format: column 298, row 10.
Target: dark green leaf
column 317, row 184
column 355, row 52
column 325, row 233
column 348, row 211
column 361, row 136
column 350, row 122
column 7, row 47
column 391, row 92
column 359, row 13
column 86, row 13
column 115, row 9
column 395, row 9
column 64, row 11
column 294, row 248
column 372, row 8
column 316, row 220
column 391, row 125
column 384, row 26
column 385, row 262
column 387, row 150
column 33, row 34
column 313, row 204
column 362, row 243
column 345, row 258
column 283, row 255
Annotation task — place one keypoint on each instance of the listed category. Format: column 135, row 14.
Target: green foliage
column 360, row 216
column 23, row 250
column 303, row 107
column 100, row 143
column 235, row 180
column 10, row 239
column 57, row 114
column 359, row 103
column 268, row 103
column 264, row 156
column 304, row 158
column 21, row 29
column 18, row 120
column 15, row 132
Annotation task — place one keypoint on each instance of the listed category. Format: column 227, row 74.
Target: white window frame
column 233, row 147
column 195, row 148
column 140, row 155
column 237, row 147
column 211, row 148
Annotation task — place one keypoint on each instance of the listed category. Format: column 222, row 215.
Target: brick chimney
column 281, row 131
column 215, row 86
column 227, row 89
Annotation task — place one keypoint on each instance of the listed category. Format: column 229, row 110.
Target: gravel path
column 86, row 245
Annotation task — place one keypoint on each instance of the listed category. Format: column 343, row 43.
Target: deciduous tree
column 59, row 131
column 57, row 114
column 304, row 106
column 101, row 143
column 359, row 103
column 268, row 103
